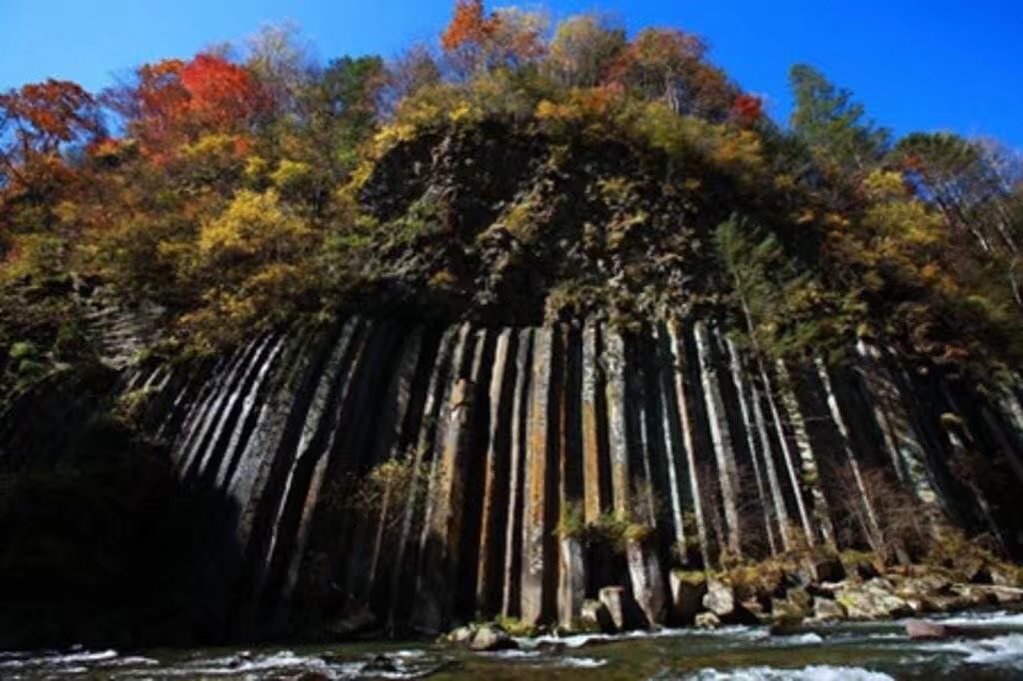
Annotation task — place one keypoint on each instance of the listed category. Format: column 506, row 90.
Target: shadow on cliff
column 101, row 544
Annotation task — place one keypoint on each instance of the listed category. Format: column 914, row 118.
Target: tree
column 583, row 49
column 669, row 64
column 411, row 71
column 747, row 110
column 222, row 95
column 960, row 179
column 40, row 118
column 972, row 185
column 343, row 104
column 173, row 102
column 280, row 58
column 828, row 120
column 475, row 41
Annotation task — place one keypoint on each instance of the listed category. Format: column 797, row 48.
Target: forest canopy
column 231, row 189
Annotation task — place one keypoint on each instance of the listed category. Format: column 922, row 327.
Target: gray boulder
column 491, row 637
column 594, row 616
column 687, row 592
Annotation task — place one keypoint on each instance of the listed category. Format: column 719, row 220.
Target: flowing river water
column 840, row 652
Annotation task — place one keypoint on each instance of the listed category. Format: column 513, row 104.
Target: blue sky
column 916, row 64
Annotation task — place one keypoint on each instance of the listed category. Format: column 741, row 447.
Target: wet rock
column 783, row 610
column 720, row 598
column 1002, row 595
column 924, row 586
column 687, row 592
column 872, row 600
column 755, row 609
column 786, row 626
column 923, row 630
column 490, row 637
column 800, row 599
column 624, row 610
column 554, row 647
column 707, row 620
column 827, row 610
column 647, row 582
column 595, row 616
column 461, row 635
column 918, row 630
column 310, row 676
column 381, row 664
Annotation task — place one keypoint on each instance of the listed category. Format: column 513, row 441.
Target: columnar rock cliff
column 515, row 441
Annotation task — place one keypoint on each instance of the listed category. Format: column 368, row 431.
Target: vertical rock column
column 442, row 533
column 901, row 440
column 497, row 476
column 873, row 529
column 810, row 473
column 511, row 596
column 572, row 568
column 674, row 448
column 721, row 438
column 539, row 563
column 683, row 396
column 751, row 429
column 406, row 552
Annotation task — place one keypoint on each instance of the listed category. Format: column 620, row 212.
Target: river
column 840, row 652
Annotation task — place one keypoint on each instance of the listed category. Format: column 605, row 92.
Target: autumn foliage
column 747, row 109
column 232, row 191
column 172, row 101
column 469, row 26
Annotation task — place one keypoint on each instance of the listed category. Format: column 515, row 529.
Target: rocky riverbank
column 788, row 595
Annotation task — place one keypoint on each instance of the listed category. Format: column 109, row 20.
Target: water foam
column 812, row 673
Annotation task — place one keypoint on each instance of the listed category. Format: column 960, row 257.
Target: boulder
column 461, row 635
column 920, row 630
column 595, row 616
column 755, row 609
column 687, row 591
column 624, row 611
column 872, row 600
column 707, row 620
column 800, row 599
column 1001, row 595
column 924, row 586
column 785, row 610
column 827, row 610
column 923, row 630
column 720, row 598
column 786, row 626
column 647, row 582
column 491, row 637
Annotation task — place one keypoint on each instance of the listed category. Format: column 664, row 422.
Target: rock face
column 687, row 592
column 596, row 617
column 872, row 600
column 489, row 438
column 720, row 598
column 622, row 607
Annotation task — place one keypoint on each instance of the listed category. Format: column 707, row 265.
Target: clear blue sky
column 916, row 64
